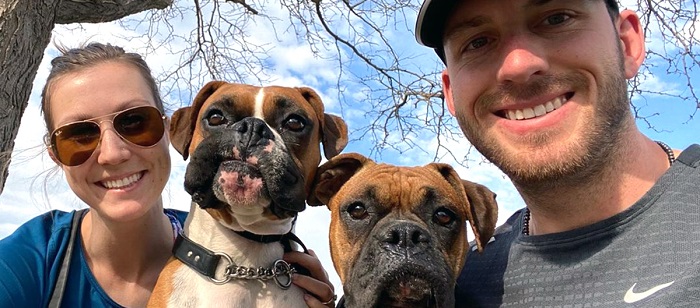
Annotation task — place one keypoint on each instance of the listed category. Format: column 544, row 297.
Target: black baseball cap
column 433, row 16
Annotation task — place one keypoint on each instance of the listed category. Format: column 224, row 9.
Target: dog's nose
column 406, row 239
column 255, row 131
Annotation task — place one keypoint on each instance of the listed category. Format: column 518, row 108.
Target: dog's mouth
column 407, row 292
column 412, row 285
column 238, row 182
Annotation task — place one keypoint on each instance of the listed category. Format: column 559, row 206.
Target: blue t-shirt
column 30, row 260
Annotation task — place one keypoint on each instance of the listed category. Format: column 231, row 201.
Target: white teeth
column 548, row 106
column 121, row 183
column 537, row 111
column 540, row 110
column 519, row 114
column 558, row 102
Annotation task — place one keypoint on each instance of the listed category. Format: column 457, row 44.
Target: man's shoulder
column 504, row 235
column 680, row 183
column 495, row 252
column 482, row 276
column 690, row 156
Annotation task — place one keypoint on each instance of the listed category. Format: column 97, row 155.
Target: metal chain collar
column 280, row 271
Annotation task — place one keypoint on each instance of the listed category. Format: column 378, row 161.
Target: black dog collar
column 284, row 239
column 196, row 256
column 204, row 261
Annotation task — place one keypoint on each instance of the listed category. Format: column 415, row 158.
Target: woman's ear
column 631, row 42
column 48, row 149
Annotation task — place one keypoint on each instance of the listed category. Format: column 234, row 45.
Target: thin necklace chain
column 671, row 160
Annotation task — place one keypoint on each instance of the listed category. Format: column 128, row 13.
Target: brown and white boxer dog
column 253, row 156
column 398, row 234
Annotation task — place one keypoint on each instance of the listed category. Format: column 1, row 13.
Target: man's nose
column 523, row 57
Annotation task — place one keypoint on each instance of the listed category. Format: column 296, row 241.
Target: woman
column 107, row 126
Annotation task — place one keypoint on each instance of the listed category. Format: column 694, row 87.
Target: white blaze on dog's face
column 254, row 152
column 248, row 192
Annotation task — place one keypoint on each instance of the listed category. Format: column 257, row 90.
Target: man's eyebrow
column 473, row 22
column 480, row 20
column 466, row 24
column 537, row 2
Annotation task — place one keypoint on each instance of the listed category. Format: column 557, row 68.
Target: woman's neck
column 127, row 249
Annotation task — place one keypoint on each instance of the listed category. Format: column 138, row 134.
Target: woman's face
column 121, row 181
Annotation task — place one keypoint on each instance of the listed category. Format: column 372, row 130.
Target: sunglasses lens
column 141, row 126
column 74, row 143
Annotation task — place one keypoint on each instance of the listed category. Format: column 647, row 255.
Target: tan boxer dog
column 397, row 234
column 253, row 155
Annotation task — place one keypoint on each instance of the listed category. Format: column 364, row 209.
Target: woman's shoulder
column 41, row 229
column 180, row 215
column 28, row 257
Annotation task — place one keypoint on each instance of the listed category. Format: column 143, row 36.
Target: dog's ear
column 181, row 130
column 333, row 129
column 335, row 135
column 184, row 120
column 482, row 209
column 484, row 212
column 331, row 175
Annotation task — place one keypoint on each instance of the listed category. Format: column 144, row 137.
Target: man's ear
column 447, row 91
column 632, row 44
column 333, row 174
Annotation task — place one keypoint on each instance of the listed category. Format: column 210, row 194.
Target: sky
column 35, row 185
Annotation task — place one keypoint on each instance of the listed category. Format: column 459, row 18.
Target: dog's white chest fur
column 190, row 289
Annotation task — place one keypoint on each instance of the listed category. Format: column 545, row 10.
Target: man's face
column 538, row 87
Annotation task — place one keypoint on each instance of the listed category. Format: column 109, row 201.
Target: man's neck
column 629, row 173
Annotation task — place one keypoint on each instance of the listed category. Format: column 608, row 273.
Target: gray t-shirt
column 646, row 256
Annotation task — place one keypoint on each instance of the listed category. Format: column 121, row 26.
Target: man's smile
column 536, row 111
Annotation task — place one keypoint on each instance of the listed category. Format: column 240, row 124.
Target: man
column 539, row 88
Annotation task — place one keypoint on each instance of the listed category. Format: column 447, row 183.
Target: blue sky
column 35, row 185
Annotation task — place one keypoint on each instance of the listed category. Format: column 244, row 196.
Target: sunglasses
column 72, row 144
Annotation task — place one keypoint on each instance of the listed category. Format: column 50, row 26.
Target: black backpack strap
column 57, row 295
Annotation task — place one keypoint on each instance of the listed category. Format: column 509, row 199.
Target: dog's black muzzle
column 249, row 139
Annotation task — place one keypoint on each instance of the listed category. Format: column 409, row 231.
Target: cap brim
column 431, row 22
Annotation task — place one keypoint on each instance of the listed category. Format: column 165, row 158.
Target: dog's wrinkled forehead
column 403, row 188
column 266, row 103
column 271, row 104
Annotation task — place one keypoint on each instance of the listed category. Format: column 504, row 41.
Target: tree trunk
column 25, row 32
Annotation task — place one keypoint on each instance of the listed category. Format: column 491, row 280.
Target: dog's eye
column 294, row 123
column 444, row 216
column 216, row 119
column 357, row 211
